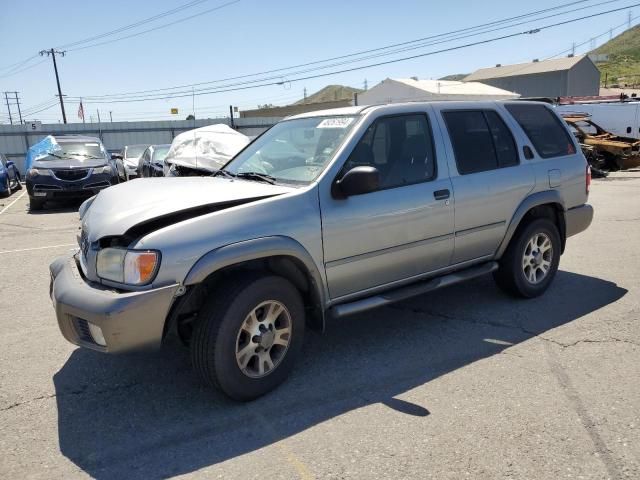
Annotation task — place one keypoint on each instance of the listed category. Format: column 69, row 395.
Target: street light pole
column 52, row 53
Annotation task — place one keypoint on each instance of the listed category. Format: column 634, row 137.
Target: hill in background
column 623, row 65
column 456, row 77
column 330, row 93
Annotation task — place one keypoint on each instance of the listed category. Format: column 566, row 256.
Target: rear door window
column 503, row 141
column 481, row 141
column 549, row 137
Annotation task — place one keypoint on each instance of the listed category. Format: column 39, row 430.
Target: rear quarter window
column 544, row 129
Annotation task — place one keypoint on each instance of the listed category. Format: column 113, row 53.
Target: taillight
column 588, row 180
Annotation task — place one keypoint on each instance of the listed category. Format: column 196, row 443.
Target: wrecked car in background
column 618, row 153
column 67, row 166
column 203, row 151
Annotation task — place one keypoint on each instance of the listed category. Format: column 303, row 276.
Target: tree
column 266, row 105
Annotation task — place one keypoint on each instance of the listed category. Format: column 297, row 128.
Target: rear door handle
column 441, row 194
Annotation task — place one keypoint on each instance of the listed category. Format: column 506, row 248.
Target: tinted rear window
column 481, row 141
column 544, row 129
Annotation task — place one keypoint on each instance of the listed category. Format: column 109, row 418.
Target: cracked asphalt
column 460, row 383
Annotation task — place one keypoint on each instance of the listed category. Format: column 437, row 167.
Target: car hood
column 116, row 210
column 54, row 163
column 131, row 162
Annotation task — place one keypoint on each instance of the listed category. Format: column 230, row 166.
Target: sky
column 243, row 37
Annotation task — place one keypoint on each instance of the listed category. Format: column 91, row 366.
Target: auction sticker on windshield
column 337, row 122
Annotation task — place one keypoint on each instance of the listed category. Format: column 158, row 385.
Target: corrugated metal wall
column 15, row 140
column 584, row 79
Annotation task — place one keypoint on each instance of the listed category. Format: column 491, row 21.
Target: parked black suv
column 68, row 166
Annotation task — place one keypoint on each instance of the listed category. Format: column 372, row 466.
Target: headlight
column 106, row 169
column 34, row 172
column 130, row 267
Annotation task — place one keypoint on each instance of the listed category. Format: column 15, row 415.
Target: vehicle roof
column 357, row 110
column 137, row 145
column 75, row 138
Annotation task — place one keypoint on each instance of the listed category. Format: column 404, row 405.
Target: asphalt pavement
column 464, row 382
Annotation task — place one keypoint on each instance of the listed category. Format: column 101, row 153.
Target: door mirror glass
column 357, row 181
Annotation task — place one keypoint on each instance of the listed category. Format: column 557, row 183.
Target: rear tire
column 531, row 260
column 7, row 189
column 248, row 337
column 36, row 204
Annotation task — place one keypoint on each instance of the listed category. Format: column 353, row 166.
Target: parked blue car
column 9, row 177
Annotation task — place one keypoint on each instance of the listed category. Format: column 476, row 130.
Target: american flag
column 81, row 111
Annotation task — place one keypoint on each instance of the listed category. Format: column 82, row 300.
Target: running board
column 403, row 293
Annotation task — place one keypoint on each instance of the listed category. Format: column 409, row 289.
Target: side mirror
column 357, row 181
column 10, row 163
column 116, row 156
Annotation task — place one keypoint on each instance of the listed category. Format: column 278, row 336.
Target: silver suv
column 329, row 213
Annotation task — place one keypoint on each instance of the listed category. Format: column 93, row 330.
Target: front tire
column 531, row 260
column 18, row 184
column 35, row 204
column 248, row 337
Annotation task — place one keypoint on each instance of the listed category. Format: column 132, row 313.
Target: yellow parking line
column 7, row 207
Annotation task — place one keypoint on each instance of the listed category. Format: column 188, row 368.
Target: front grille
column 82, row 329
column 71, row 174
column 47, row 187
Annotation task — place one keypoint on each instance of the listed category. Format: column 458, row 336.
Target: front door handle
column 441, row 194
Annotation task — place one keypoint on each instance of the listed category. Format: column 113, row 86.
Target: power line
column 255, row 84
column 16, row 72
column 133, row 25
column 18, row 64
column 387, row 62
column 219, row 7
column 387, row 47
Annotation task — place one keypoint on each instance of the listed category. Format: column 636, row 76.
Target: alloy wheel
column 263, row 339
column 537, row 258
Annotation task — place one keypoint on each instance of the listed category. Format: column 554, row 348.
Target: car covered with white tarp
column 203, row 151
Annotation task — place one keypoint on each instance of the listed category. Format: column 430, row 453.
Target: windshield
column 134, row 151
column 294, row 151
column 160, row 152
column 78, row 150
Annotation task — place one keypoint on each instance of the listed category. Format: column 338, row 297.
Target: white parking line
column 7, row 207
column 39, row 248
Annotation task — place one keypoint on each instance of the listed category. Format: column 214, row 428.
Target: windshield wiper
column 223, row 172
column 51, row 154
column 261, row 177
column 86, row 155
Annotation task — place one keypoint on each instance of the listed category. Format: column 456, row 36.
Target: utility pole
column 6, row 97
column 629, row 18
column 52, row 53
column 110, row 116
column 305, row 94
column 231, row 116
column 18, row 105
column 98, row 110
column 573, row 49
column 366, row 85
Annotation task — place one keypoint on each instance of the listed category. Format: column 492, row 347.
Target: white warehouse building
column 397, row 90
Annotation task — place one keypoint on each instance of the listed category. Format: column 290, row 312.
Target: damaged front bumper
column 95, row 317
